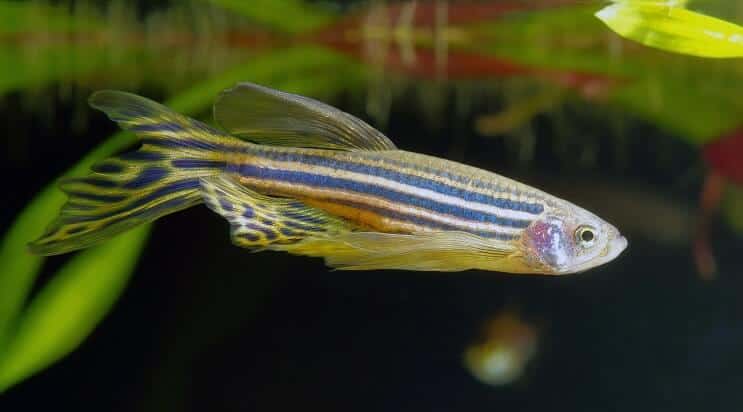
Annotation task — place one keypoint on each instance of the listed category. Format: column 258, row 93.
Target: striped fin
column 258, row 221
column 137, row 187
column 272, row 117
column 433, row 251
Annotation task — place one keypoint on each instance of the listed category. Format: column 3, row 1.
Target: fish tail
column 159, row 178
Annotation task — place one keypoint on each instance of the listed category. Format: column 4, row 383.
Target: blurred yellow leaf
column 70, row 306
column 666, row 26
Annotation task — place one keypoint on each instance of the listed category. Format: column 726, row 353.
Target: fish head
column 569, row 239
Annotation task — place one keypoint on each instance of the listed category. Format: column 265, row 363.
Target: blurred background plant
column 504, row 68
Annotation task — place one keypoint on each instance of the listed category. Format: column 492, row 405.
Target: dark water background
column 204, row 325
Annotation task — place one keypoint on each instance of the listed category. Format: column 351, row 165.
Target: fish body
column 394, row 191
column 292, row 174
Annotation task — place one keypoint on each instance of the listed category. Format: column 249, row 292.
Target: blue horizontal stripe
column 305, row 218
column 142, row 156
column 157, row 127
column 172, row 187
column 146, row 177
column 424, row 222
column 197, row 164
column 94, row 196
column 408, row 179
column 316, row 180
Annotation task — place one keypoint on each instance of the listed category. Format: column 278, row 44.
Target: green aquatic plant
column 676, row 100
column 48, row 60
column 70, row 306
column 33, row 17
column 288, row 16
column 307, row 70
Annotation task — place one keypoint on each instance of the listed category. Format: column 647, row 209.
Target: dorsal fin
column 267, row 116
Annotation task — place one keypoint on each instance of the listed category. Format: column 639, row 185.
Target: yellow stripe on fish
column 291, row 173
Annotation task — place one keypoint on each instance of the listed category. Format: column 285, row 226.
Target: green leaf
column 307, row 70
column 70, row 306
column 24, row 17
column 693, row 101
column 674, row 29
column 290, row 16
column 18, row 267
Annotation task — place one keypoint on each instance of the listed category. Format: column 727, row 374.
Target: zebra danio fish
column 294, row 174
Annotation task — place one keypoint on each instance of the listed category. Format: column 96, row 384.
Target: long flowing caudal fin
column 160, row 178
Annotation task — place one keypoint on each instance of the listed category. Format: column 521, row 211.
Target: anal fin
column 259, row 221
column 434, row 251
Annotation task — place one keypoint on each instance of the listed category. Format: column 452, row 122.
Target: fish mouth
column 616, row 246
column 613, row 249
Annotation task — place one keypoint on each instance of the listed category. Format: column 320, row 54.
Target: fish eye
column 585, row 236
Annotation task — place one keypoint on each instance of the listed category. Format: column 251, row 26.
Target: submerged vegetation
column 668, row 25
column 541, row 58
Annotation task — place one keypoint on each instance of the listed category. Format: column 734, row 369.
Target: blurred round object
column 500, row 356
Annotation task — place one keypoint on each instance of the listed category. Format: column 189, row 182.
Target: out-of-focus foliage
column 678, row 100
column 98, row 47
column 31, row 52
column 70, row 306
column 673, row 28
column 19, row 269
column 30, row 17
column 290, row 16
column 733, row 207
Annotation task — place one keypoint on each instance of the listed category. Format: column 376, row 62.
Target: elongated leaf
column 674, row 29
column 19, row 269
column 73, row 303
column 694, row 101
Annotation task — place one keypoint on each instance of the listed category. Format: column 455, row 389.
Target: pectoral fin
column 267, row 116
